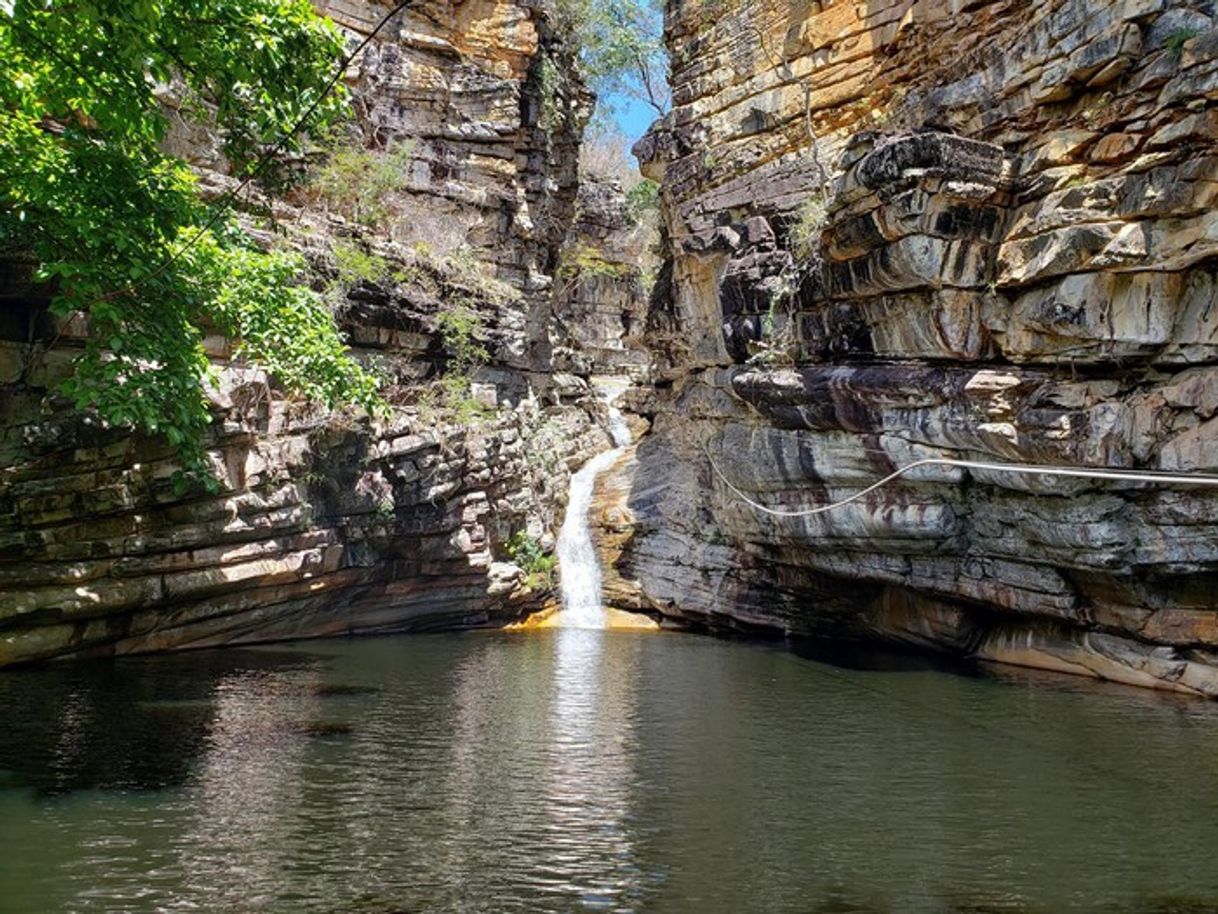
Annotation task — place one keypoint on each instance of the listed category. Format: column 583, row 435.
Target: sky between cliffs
column 632, row 116
column 623, row 58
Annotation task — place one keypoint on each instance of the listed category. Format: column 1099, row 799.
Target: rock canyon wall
column 895, row 230
column 325, row 523
column 601, row 297
column 903, row 229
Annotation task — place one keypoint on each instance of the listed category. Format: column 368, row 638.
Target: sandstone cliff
column 936, row 228
column 601, row 297
column 325, row 523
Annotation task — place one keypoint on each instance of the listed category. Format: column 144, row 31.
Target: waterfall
column 578, row 564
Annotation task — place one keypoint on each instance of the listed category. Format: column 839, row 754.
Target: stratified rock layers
column 904, row 229
column 601, row 302
column 323, row 524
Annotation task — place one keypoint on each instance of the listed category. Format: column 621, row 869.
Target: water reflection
column 553, row 812
column 591, row 771
column 248, row 788
column 137, row 724
column 583, row 770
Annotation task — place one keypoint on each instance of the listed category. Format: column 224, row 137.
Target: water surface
column 576, row 770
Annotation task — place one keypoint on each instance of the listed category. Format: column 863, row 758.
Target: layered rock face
column 482, row 92
column 904, row 229
column 325, row 524
column 601, row 299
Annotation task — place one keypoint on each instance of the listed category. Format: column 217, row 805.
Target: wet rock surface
column 904, row 229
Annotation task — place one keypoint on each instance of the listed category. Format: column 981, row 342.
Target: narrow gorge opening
column 607, row 269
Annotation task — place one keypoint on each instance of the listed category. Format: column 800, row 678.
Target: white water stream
column 578, row 565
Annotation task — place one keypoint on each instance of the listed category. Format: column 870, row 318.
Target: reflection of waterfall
column 578, row 565
column 538, row 791
column 591, row 777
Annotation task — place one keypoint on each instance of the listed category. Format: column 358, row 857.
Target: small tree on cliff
column 115, row 223
column 622, row 48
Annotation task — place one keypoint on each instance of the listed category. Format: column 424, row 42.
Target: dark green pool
column 573, row 771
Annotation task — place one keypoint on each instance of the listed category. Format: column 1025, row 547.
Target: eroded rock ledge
column 325, row 524
column 918, row 228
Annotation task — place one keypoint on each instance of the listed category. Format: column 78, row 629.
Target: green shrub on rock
column 124, row 243
column 538, row 565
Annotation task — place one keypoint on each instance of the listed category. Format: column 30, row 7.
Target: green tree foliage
column 622, row 48
column 643, row 201
column 533, row 560
column 115, row 223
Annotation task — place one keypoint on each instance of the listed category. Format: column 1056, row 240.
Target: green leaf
column 114, row 220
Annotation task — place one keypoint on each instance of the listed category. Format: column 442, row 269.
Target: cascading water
column 578, row 565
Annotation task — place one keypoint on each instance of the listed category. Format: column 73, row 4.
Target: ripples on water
column 579, row 770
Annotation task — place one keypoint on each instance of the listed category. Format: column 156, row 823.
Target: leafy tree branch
column 622, row 48
column 88, row 193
